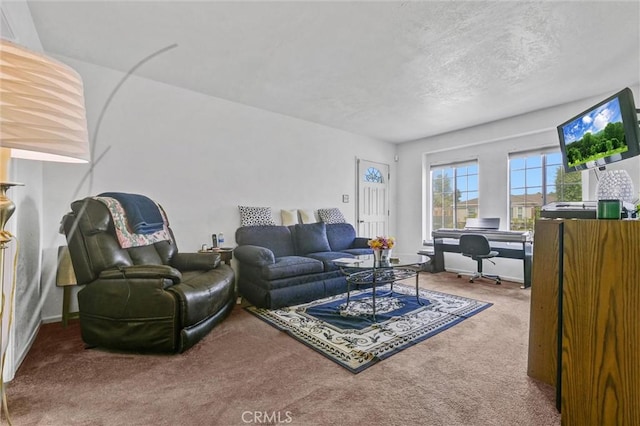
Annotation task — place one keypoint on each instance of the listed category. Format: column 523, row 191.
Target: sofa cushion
column 358, row 251
column 255, row 216
column 307, row 216
column 332, row 215
column 275, row 238
column 341, row 236
column 289, row 217
column 311, row 238
column 291, row 266
column 327, row 258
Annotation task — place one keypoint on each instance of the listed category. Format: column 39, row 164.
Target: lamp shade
column 42, row 114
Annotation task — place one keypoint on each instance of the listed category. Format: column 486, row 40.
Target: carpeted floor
column 247, row 372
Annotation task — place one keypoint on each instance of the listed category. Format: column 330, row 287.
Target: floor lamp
column 42, row 117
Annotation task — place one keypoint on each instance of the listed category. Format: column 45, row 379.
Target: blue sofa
column 288, row 265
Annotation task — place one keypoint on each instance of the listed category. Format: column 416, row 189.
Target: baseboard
column 54, row 318
column 502, row 277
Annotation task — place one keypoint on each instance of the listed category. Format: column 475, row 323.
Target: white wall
column 201, row 157
column 26, row 222
column 490, row 144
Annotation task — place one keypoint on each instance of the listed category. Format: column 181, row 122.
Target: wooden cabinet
column 601, row 323
column 543, row 324
column 599, row 317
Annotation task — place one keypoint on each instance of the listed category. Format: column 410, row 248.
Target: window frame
column 454, row 181
column 544, row 183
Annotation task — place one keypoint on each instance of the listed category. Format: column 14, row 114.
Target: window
column 373, row 175
column 536, row 179
column 454, row 192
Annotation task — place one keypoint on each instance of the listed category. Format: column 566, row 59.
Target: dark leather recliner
column 150, row 298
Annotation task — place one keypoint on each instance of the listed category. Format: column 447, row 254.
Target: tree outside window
column 537, row 180
column 454, row 195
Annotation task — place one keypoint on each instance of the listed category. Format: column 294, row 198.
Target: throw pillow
column 307, row 216
column 252, row 216
column 333, row 215
column 289, row 217
column 312, row 238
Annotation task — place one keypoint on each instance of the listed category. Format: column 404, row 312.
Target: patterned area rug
column 349, row 336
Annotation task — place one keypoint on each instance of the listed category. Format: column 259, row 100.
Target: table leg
column 527, row 264
column 66, row 305
column 438, row 257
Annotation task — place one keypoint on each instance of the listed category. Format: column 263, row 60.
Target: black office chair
column 476, row 246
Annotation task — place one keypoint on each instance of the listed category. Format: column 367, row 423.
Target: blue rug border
column 376, row 359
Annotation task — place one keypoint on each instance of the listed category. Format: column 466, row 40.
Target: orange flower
column 382, row 242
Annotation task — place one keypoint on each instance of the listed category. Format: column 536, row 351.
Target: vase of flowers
column 382, row 248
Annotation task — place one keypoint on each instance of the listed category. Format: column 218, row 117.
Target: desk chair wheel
column 495, row 278
column 470, row 278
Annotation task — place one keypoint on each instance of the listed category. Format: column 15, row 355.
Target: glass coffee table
column 364, row 270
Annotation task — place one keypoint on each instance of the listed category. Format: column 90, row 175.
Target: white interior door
column 373, row 198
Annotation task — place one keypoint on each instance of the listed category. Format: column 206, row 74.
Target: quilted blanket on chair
column 143, row 214
column 127, row 237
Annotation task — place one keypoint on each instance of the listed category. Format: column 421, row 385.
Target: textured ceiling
column 395, row 71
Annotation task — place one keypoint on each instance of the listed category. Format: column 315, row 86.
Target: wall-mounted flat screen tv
column 603, row 134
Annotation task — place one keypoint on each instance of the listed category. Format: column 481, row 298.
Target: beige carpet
column 247, row 372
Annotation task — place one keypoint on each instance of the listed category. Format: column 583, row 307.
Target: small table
column 226, row 253
column 66, row 278
column 365, row 270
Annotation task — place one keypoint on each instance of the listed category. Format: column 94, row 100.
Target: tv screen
column 603, row 134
